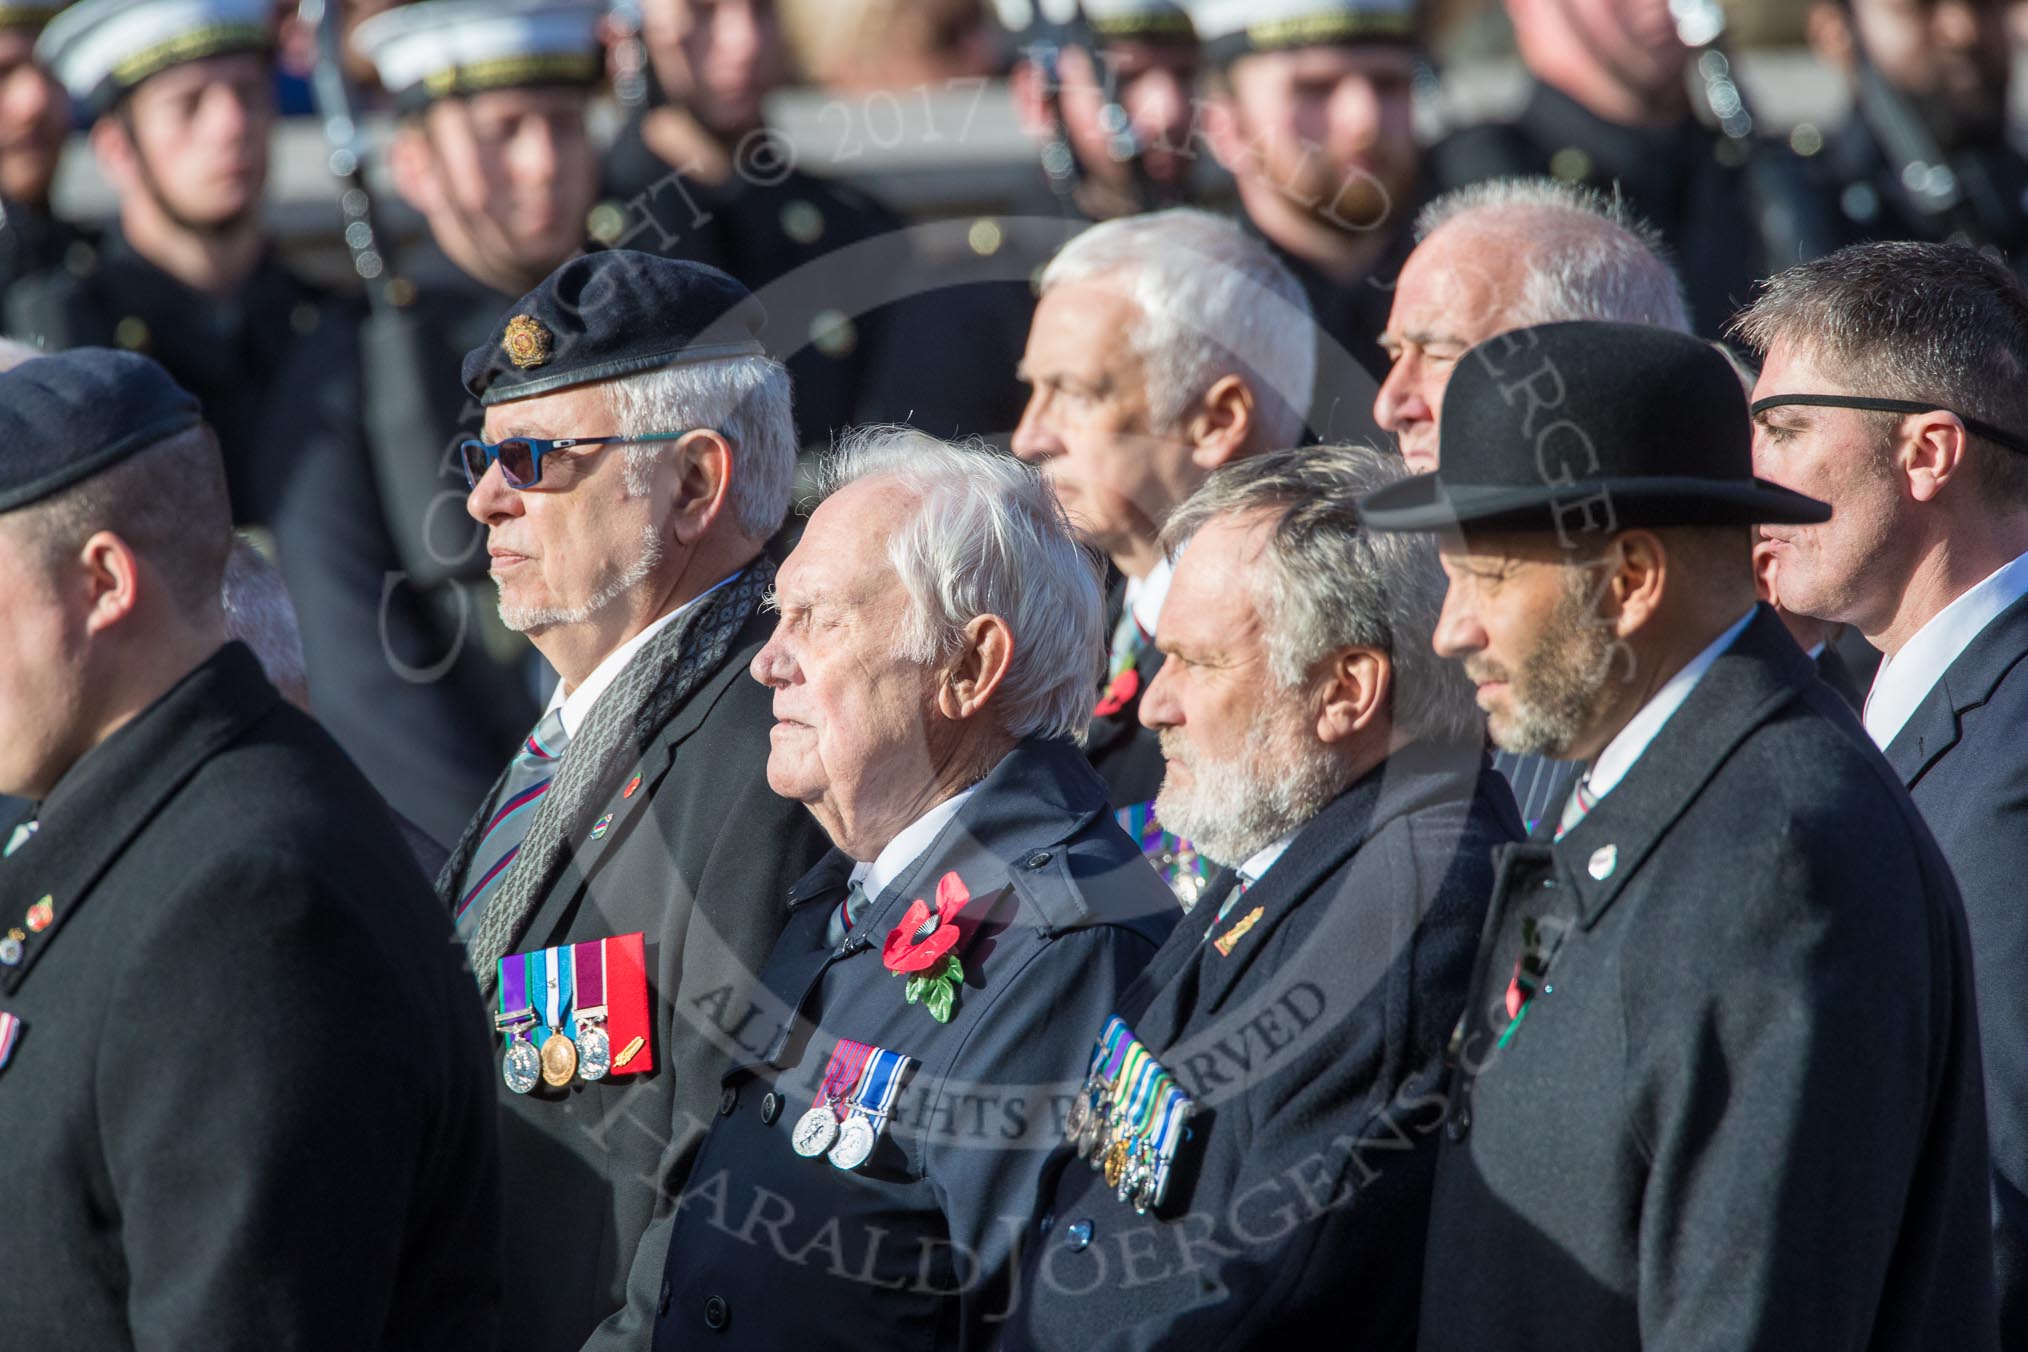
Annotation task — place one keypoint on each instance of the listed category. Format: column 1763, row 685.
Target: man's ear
column 1828, row 30
column 1224, row 134
column 979, row 668
column 1359, row 683
column 1933, row 452
column 1221, row 430
column 110, row 575
column 411, row 162
column 701, row 466
column 1631, row 581
column 114, row 150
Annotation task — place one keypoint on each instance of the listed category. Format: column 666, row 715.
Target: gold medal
column 1116, row 1163
column 559, row 1060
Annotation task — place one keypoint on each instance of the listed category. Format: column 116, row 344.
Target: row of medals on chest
column 1123, row 1153
column 586, row 1054
column 849, row 1144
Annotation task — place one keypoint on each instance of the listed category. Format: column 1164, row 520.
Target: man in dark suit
column 891, row 1103
column 640, row 454
column 1217, row 363
column 1323, row 753
column 241, row 1080
column 1717, row 1084
column 1892, row 390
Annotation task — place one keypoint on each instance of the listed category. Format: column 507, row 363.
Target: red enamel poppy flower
column 1119, row 694
column 916, row 945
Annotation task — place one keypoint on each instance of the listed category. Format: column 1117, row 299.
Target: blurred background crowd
column 310, row 215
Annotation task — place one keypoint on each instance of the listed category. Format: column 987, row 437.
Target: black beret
column 613, row 313
column 1589, row 426
column 69, row 415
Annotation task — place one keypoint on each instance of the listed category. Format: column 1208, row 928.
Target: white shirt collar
column 1905, row 679
column 577, row 705
column 1145, row 595
column 908, row 845
column 1624, row 750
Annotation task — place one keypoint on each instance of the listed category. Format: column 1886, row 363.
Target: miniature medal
column 855, row 1142
column 815, row 1131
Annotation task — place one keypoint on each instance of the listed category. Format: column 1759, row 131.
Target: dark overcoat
column 697, row 858
column 1743, row 1110
column 913, row 1249
column 1309, row 1030
column 1964, row 756
column 249, row 1105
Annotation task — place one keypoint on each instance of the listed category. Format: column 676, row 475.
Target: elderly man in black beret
column 1717, row 1083
column 626, row 875
column 242, row 1085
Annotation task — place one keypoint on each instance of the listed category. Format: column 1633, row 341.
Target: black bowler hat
column 613, row 313
column 70, row 415
column 1587, row 426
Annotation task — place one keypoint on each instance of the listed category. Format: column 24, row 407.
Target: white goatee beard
column 527, row 619
column 1235, row 808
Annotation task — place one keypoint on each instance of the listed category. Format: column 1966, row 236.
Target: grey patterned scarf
column 624, row 722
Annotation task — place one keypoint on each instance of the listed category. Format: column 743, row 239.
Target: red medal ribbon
column 848, row 1059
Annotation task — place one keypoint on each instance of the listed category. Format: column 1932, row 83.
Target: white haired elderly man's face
column 863, row 736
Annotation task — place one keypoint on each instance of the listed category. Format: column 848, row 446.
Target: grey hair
column 1214, row 302
column 1898, row 320
column 1590, row 256
column 743, row 399
column 259, row 613
column 1328, row 584
column 988, row 538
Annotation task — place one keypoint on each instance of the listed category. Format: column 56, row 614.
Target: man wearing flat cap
column 1717, row 1082
column 243, row 1089
column 1893, row 390
column 625, row 877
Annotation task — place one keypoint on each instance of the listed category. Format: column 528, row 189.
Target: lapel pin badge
column 1604, row 860
column 601, row 826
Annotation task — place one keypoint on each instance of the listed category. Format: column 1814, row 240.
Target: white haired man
column 892, row 1103
column 1322, row 752
column 1218, row 364
column 1893, row 390
column 618, row 888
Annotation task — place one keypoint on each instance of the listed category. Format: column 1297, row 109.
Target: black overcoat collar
column 1967, row 683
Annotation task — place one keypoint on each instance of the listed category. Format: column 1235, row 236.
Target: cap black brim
column 1425, row 502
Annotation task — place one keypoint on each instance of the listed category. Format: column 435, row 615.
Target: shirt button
column 771, row 1108
column 726, row 1101
column 1077, row 1237
column 716, row 1315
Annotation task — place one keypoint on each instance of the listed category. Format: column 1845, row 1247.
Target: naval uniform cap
column 442, row 49
column 101, row 49
column 1139, row 20
column 69, row 415
column 613, row 313
column 1232, row 28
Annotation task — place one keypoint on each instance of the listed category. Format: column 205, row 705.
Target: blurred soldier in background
column 1925, row 154
column 34, row 115
column 1612, row 108
column 183, row 105
column 1111, row 95
column 1310, row 109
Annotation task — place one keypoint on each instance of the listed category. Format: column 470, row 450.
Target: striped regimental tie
column 1582, row 801
column 527, row 781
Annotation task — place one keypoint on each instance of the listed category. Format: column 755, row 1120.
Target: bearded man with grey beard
column 1296, row 1019
column 622, row 881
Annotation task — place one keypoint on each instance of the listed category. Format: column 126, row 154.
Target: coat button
column 716, row 1315
column 1458, row 1123
column 1077, row 1236
column 1040, row 859
column 726, row 1101
column 662, row 1302
column 771, row 1108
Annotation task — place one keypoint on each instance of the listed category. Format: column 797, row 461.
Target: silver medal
column 594, row 1051
column 815, row 1130
column 855, row 1143
column 521, row 1067
column 1080, row 1108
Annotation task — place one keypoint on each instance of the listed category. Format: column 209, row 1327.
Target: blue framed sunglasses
column 521, row 457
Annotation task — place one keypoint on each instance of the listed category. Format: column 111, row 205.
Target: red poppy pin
column 1119, row 694
column 920, row 949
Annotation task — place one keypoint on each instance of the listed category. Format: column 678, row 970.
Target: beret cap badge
column 526, row 342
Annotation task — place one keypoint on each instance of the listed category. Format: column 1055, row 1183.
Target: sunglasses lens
column 473, row 455
column 517, row 461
